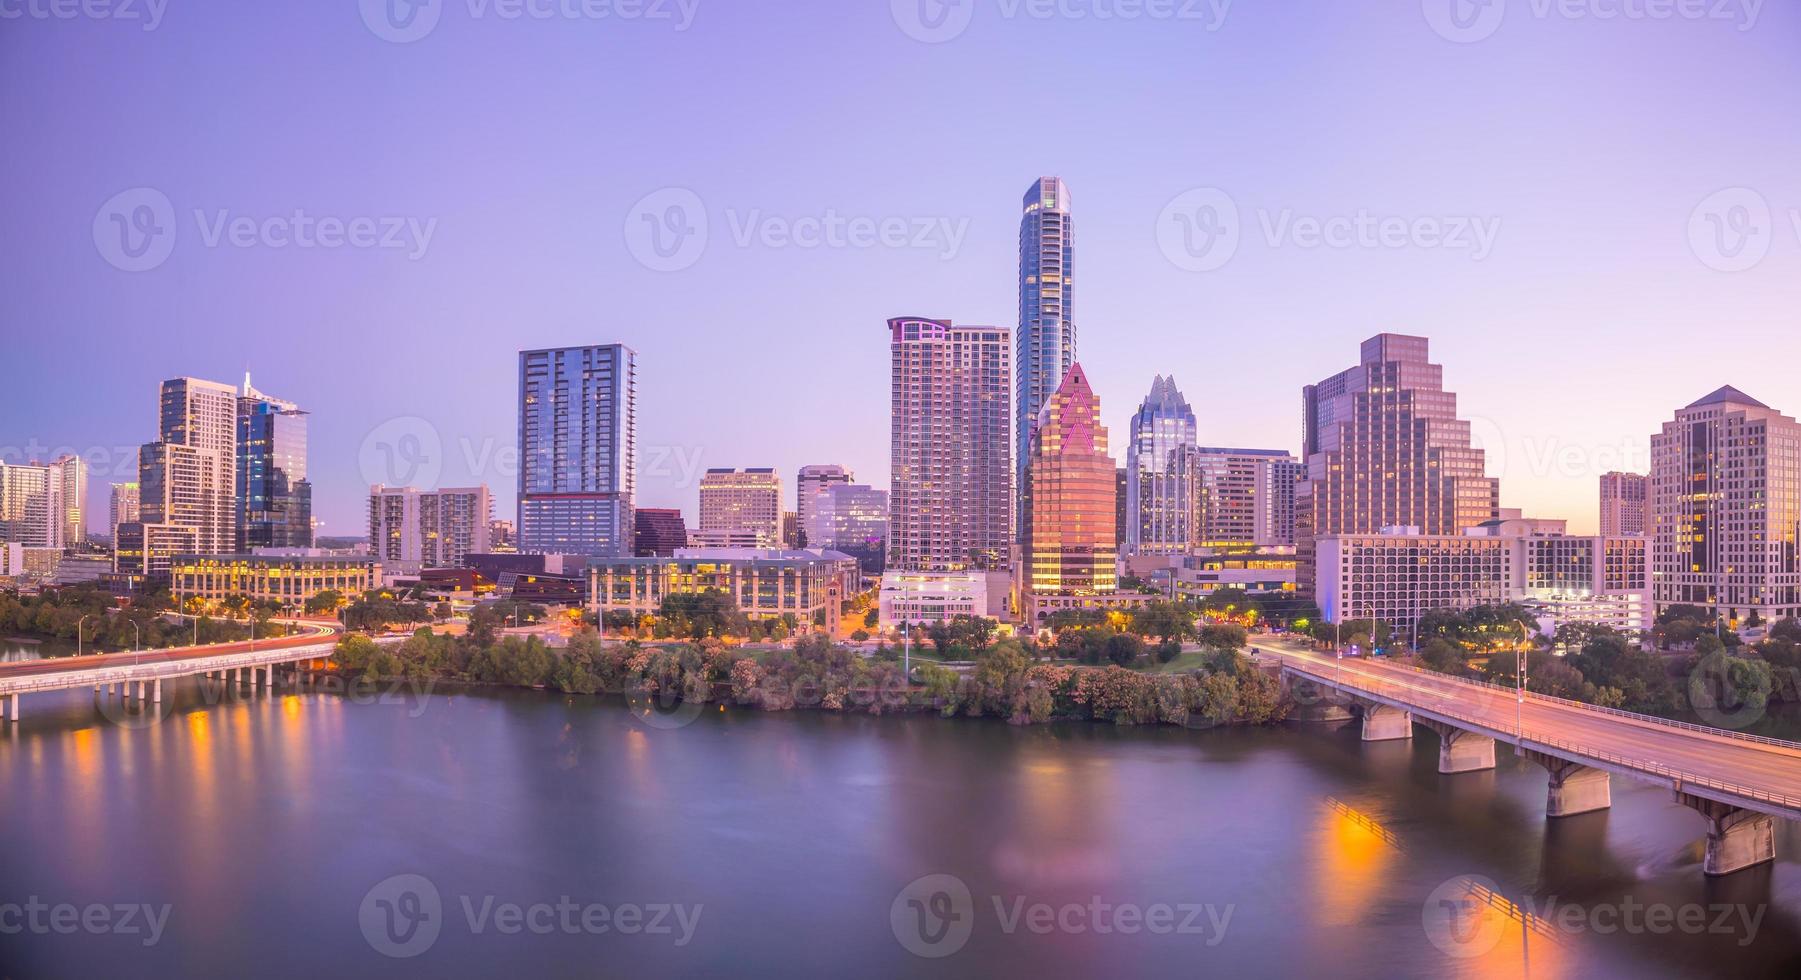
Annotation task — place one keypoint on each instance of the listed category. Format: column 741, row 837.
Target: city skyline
column 1596, row 263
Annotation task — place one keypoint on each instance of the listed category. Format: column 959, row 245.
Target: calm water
column 270, row 830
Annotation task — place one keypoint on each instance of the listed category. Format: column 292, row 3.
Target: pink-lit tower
column 1070, row 540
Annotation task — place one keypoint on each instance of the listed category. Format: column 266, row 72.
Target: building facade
column 1046, row 338
column 411, row 530
column 1163, row 493
column 577, row 450
column 31, row 505
column 1396, row 578
column 1625, row 504
column 1232, row 510
column 951, row 495
column 765, row 583
column 660, row 532
column 1070, row 537
column 1726, row 509
column 289, row 580
column 809, row 482
column 915, row 598
column 848, row 515
column 747, row 501
column 1278, row 484
column 187, row 479
column 274, row 497
column 123, row 508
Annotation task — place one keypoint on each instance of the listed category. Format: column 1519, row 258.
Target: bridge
column 1739, row 783
column 140, row 675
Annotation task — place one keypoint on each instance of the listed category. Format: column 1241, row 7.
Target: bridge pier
column 1460, row 750
column 1737, row 838
column 1382, row 723
column 156, row 695
column 12, row 711
column 1574, row 787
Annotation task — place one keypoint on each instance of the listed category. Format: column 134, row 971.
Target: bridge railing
column 1617, row 712
column 1377, row 686
column 160, row 669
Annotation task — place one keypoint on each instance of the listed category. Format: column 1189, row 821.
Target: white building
column 410, row 529
column 935, row 597
column 124, row 508
column 31, row 505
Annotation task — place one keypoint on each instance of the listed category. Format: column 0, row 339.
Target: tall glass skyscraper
column 1045, row 345
column 274, row 499
column 577, row 450
column 1163, row 486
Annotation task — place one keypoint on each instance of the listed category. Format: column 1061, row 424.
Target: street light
column 1519, row 709
column 78, row 623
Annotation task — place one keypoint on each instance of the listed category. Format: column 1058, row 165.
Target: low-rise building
column 765, row 583
column 931, row 597
column 290, row 580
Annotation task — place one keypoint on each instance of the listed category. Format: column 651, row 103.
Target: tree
column 1166, row 621
column 320, row 603
column 1442, row 655
column 1124, row 649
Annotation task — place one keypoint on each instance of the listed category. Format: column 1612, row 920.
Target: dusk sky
column 1550, row 186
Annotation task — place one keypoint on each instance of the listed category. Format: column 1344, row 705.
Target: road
column 1647, row 747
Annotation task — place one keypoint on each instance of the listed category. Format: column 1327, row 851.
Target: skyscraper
column 1163, row 495
column 187, row 479
column 950, row 500
column 1046, row 341
column 659, row 532
column 741, row 504
column 410, row 529
column 577, row 450
column 1726, row 507
column 274, row 498
column 1625, row 504
column 848, row 516
column 1385, row 447
column 1278, row 482
column 72, row 472
column 812, row 480
column 31, row 510
column 124, row 507
column 1069, row 541
column 1233, row 483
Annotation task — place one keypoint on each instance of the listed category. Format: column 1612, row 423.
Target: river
column 473, row 834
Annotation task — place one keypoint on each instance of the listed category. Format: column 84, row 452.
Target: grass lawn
column 1184, row 662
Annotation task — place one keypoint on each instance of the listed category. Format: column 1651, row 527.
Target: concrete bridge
column 1739, row 783
column 140, row 675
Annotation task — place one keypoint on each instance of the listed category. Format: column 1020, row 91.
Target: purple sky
column 525, row 145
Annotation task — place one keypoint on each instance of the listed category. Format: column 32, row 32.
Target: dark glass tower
column 274, row 498
column 1045, row 346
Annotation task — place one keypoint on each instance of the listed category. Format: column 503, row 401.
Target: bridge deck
column 1759, row 773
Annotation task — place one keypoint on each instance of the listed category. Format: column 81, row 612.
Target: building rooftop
column 1727, row 395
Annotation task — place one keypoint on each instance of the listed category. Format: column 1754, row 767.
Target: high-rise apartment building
column 72, row 471
column 1070, row 537
column 577, row 450
column 1726, row 508
column 848, row 515
column 274, row 497
column 951, row 495
column 31, row 505
column 1384, row 448
column 1047, row 331
column 1164, row 495
column 809, row 482
column 660, row 531
column 1278, row 483
column 1625, row 504
column 1233, row 511
column 742, row 502
column 123, row 508
column 413, row 529
column 187, row 479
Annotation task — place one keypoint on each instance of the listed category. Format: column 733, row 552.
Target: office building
column 809, row 482
column 123, row 508
column 1233, row 511
column 289, row 580
column 848, row 516
column 951, row 491
column 1278, row 484
column 924, row 598
column 187, row 479
column 1163, row 492
column 660, row 532
column 411, row 529
column 745, row 501
column 1046, row 337
column 1726, row 509
column 274, row 498
column 764, row 583
column 577, row 450
column 1625, row 504
column 1069, row 541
